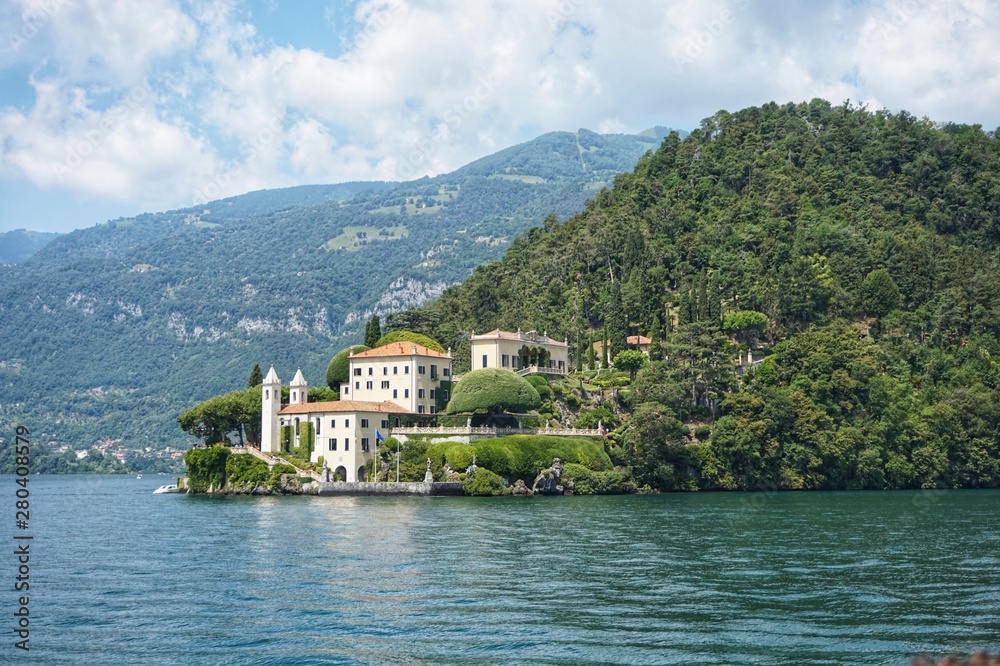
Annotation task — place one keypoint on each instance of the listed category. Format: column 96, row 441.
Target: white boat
column 169, row 488
column 138, row 477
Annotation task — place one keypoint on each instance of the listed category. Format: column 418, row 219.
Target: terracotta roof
column 530, row 336
column 387, row 407
column 638, row 340
column 400, row 349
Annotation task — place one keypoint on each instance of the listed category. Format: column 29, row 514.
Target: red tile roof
column 638, row 340
column 387, row 407
column 400, row 349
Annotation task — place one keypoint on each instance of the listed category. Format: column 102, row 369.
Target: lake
column 119, row 575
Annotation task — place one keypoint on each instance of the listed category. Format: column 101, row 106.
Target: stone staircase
column 273, row 460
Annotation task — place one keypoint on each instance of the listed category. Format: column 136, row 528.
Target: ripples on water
column 122, row 576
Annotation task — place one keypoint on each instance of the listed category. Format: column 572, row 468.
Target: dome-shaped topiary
column 494, row 390
column 340, row 366
column 410, row 336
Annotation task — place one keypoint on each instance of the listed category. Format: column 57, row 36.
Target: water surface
column 123, row 576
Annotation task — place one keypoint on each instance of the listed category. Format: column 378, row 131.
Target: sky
column 110, row 109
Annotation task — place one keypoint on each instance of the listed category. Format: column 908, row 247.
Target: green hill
column 111, row 331
column 19, row 244
column 867, row 241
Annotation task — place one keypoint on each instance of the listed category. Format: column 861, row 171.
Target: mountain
column 110, row 331
column 19, row 244
column 855, row 253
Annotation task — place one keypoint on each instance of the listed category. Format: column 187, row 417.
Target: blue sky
column 110, row 109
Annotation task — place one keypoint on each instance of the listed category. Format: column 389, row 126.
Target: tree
column 256, row 376
column 373, row 331
column 494, row 390
column 745, row 325
column 879, row 294
column 630, row 360
column 656, row 340
column 410, row 336
column 616, row 321
column 340, row 366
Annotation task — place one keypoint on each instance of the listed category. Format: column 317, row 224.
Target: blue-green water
column 119, row 575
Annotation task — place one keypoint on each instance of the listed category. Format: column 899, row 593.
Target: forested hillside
column 110, row 331
column 856, row 252
column 19, row 244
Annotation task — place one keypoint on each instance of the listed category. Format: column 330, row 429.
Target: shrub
column 590, row 482
column 277, row 471
column 244, row 470
column 591, row 417
column 494, row 390
column 206, row 468
column 517, row 456
column 541, row 385
column 703, row 432
column 485, row 484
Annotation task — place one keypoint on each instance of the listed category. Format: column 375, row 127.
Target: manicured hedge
column 493, row 389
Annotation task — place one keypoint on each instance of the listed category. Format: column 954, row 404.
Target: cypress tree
column 616, row 321
column 373, row 331
column 655, row 336
column 256, row 376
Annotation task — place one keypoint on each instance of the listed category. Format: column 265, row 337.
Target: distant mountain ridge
column 110, row 331
column 19, row 244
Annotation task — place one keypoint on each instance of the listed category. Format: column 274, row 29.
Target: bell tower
column 270, row 405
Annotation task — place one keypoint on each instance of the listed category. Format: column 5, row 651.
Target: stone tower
column 270, row 405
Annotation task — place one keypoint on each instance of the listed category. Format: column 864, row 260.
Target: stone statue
column 429, row 475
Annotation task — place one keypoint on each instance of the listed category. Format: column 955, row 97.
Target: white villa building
column 408, row 374
column 523, row 353
column 344, row 431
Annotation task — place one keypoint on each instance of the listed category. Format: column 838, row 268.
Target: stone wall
column 384, row 488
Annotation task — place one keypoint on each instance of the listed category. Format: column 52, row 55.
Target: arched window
column 296, row 425
column 267, row 394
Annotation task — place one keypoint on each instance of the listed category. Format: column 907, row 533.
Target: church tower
column 298, row 389
column 270, row 405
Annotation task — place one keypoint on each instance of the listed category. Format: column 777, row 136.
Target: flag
column 379, row 437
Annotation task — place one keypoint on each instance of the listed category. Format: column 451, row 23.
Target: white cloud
column 425, row 86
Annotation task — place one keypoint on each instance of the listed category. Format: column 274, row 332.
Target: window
column 484, row 360
column 364, row 443
column 296, row 425
column 318, row 420
column 434, row 372
column 395, row 369
column 445, row 396
column 406, row 393
column 385, row 423
column 406, row 369
column 357, row 386
column 394, row 392
column 357, row 372
column 267, row 394
column 347, row 444
column 333, row 444
column 347, row 423
column 505, row 361
column 446, row 372
column 420, row 393
column 434, row 409
column 333, row 423
column 421, row 369
column 432, row 394
column 364, row 423
column 368, row 385
column 347, row 389
column 385, row 384
column 420, row 409
column 385, row 369
column 371, row 371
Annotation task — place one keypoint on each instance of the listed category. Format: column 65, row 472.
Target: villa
column 524, row 353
